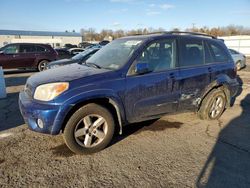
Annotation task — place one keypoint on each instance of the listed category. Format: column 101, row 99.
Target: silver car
column 239, row 59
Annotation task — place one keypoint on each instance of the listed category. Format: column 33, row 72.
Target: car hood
column 63, row 74
column 62, row 62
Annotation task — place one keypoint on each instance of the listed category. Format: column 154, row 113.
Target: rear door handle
column 210, row 69
column 172, row 75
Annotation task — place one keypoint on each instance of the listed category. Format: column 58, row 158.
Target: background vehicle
column 93, row 46
column 26, row 55
column 239, row 59
column 63, row 53
column 74, row 51
column 68, row 46
column 132, row 79
column 79, row 58
column 84, row 44
column 104, row 42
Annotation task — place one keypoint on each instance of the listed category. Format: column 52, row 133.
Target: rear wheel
column 90, row 129
column 42, row 65
column 213, row 105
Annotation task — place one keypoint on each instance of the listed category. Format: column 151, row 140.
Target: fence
column 240, row 43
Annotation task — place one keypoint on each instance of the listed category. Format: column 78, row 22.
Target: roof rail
column 184, row 32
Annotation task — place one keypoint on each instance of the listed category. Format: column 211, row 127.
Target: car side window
column 11, row 49
column 26, row 48
column 208, row 54
column 40, row 49
column 218, row 52
column 191, row 52
column 159, row 56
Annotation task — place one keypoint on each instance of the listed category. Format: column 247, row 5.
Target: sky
column 62, row 15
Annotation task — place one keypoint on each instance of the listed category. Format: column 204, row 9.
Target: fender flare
column 82, row 98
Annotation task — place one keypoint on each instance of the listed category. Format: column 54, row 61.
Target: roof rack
column 184, row 32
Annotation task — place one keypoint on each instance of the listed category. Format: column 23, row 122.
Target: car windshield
column 115, row 54
column 81, row 55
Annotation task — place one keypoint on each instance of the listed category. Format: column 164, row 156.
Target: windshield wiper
column 93, row 65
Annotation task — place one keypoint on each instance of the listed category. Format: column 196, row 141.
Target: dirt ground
column 175, row 151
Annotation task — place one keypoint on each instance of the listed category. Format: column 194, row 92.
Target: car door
column 9, row 56
column 156, row 92
column 27, row 55
column 194, row 74
column 220, row 60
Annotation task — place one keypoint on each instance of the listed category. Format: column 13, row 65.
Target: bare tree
column 90, row 34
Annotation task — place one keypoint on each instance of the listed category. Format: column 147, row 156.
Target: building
column 56, row 39
column 240, row 43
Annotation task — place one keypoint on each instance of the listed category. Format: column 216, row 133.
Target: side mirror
column 142, row 68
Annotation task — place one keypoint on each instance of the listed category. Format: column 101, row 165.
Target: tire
column 238, row 65
column 213, row 105
column 89, row 130
column 42, row 65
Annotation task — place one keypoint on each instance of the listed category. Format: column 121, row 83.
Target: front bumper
column 48, row 113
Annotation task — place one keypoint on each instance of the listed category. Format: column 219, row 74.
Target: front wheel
column 213, row 105
column 42, row 65
column 89, row 130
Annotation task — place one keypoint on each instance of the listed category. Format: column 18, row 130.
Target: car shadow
column 151, row 125
column 240, row 81
column 136, row 128
column 62, row 151
column 10, row 115
column 228, row 165
column 16, row 71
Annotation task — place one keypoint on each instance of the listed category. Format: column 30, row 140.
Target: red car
column 27, row 55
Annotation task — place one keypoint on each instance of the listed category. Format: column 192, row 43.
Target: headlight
column 48, row 92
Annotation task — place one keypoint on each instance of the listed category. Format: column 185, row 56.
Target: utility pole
column 193, row 24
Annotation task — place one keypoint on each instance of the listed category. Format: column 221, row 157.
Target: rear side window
column 218, row 52
column 41, row 49
column 25, row 48
column 191, row 52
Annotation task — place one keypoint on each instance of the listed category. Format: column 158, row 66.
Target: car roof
column 21, row 43
column 168, row 34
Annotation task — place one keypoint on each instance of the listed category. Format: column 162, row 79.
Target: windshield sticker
column 132, row 42
column 114, row 66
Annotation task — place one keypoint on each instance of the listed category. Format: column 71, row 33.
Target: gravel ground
column 175, row 151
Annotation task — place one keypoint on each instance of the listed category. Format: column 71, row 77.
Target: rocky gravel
column 175, row 151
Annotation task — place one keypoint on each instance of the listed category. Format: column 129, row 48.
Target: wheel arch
column 215, row 85
column 107, row 102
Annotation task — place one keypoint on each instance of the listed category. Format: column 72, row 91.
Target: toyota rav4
column 130, row 80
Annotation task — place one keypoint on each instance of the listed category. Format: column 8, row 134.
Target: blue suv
column 130, row 80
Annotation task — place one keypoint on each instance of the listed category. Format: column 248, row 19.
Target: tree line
column 92, row 35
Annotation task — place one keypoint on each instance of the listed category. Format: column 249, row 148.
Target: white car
column 239, row 59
